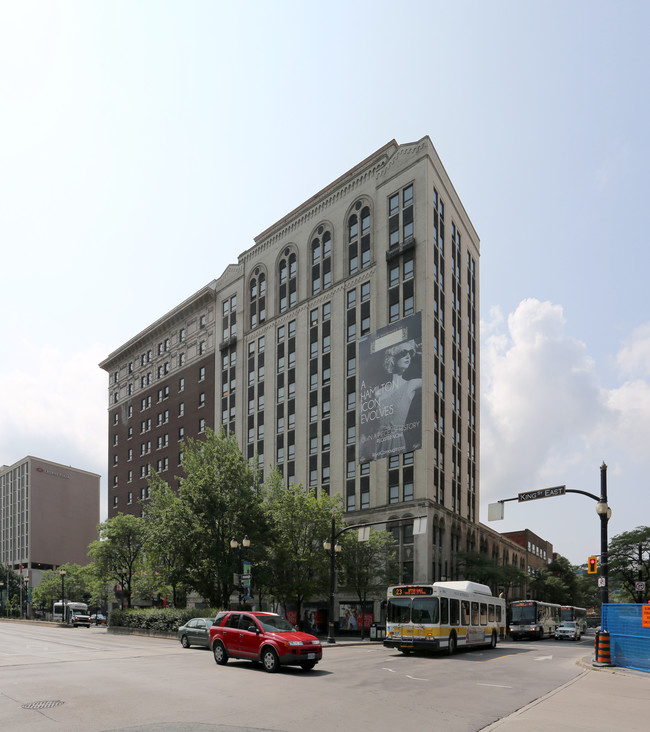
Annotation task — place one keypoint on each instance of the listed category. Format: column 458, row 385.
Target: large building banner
column 390, row 390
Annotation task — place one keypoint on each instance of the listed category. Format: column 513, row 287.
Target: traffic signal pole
column 602, row 509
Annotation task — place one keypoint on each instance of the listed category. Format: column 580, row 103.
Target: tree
column 118, row 553
column 629, row 562
column 13, row 585
column 77, row 583
column 220, row 499
column 479, row 567
column 166, row 535
column 368, row 567
column 296, row 565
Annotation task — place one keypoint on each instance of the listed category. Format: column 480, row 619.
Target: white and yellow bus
column 443, row 616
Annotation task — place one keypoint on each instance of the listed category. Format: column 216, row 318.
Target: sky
column 144, row 144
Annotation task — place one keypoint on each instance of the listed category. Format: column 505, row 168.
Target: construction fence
column 629, row 630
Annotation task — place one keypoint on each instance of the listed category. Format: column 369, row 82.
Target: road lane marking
column 415, row 678
column 543, row 658
column 496, row 686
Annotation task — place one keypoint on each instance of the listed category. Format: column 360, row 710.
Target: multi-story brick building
column 343, row 348
column 48, row 516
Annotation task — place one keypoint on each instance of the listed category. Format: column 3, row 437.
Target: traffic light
column 592, row 565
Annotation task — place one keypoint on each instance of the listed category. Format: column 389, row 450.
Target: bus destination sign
column 558, row 490
column 412, row 591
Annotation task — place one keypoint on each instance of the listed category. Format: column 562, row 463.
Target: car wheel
column 308, row 666
column 270, row 660
column 493, row 640
column 184, row 642
column 451, row 648
column 220, row 654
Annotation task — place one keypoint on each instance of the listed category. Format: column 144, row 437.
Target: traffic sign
column 601, row 582
column 558, row 490
column 640, row 586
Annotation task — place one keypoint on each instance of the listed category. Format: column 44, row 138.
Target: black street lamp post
column 62, row 573
column 332, row 546
column 605, row 513
column 234, row 544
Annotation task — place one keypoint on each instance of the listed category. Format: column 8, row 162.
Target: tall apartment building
column 343, row 348
column 48, row 516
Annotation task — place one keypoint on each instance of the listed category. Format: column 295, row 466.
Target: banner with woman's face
column 390, row 390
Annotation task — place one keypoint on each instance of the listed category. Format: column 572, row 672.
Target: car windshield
column 275, row 624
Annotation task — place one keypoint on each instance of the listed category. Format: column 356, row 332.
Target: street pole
column 62, row 573
column 330, row 617
column 332, row 546
column 234, row 544
column 640, row 568
column 604, row 518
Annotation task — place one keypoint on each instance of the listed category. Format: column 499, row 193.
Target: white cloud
column 634, row 358
column 540, row 401
column 54, row 407
column 546, row 420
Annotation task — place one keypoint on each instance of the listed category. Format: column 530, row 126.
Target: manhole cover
column 41, row 704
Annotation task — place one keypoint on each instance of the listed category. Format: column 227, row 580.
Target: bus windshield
column 523, row 613
column 418, row 610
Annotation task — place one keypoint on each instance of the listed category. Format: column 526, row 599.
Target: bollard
column 596, row 645
column 603, row 656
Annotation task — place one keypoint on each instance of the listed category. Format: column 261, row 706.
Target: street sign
column 558, row 490
column 640, row 586
column 245, row 577
column 601, row 582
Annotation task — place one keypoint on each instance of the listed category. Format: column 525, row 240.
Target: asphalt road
column 65, row 679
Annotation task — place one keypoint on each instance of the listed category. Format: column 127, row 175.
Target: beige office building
column 343, row 348
column 48, row 516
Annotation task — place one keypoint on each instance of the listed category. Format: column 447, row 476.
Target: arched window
column 359, row 238
column 288, row 278
column 321, row 261
column 257, row 298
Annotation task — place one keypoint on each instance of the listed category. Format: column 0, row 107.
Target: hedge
column 160, row 619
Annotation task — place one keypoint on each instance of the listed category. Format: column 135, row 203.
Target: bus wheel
column 493, row 640
column 406, row 651
column 451, row 648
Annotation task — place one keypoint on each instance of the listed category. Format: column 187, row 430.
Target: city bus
column 75, row 613
column 533, row 619
column 579, row 614
column 443, row 616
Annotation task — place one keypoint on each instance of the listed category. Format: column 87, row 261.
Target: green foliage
column 78, row 583
column 296, row 566
column 168, row 551
column 368, row 567
column 14, row 587
column 499, row 578
column 629, row 562
column 189, row 535
column 119, row 552
column 160, row 620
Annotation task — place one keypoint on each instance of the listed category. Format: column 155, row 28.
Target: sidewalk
column 600, row 699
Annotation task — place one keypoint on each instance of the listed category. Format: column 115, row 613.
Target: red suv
column 264, row 637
